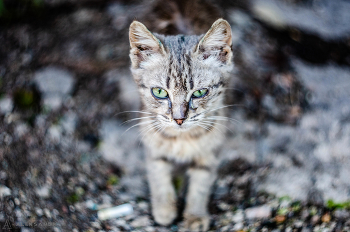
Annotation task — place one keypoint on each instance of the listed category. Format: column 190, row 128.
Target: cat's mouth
column 184, row 126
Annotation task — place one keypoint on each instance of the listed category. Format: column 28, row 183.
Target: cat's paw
column 196, row 223
column 164, row 214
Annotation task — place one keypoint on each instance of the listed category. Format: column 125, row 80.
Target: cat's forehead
column 178, row 44
column 178, row 70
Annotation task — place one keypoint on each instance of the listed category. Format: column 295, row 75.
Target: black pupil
column 159, row 90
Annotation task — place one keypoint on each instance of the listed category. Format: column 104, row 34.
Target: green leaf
column 178, row 182
column 282, row 211
column 73, row 198
column 113, row 180
column 337, row 205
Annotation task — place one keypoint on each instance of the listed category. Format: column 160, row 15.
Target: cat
column 181, row 80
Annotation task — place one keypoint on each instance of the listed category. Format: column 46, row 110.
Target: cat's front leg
column 196, row 214
column 163, row 196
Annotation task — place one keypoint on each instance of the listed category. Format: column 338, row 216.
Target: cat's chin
column 183, row 128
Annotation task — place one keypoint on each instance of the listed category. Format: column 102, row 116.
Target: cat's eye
column 159, row 93
column 200, row 93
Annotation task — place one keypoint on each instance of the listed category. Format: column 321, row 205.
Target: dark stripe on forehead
column 142, row 86
column 189, row 65
column 219, row 84
column 168, row 82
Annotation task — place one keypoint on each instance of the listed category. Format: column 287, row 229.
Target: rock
column 119, row 14
column 315, row 197
column 238, row 216
column 6, row 105
column 293, row 182
column 39, row 212
column 143, row 205
column 105, row 52
column 43, row 192
column 268, row 102
column 298, row 224
column 55, row 84
column 306, row 230
column 135, row 186
column 3, row 174
column 341, row 214
column 25, row 229
column 141, row 222
column 21, row 129
column 259, row 212
column 69, row 122
column 6, row 138
column 324, row 17
column 54, row 133
column 126, row 86
column 115, row 147
column 47, row 213
column 238, row 226
column 84, row 16
column 4, row 191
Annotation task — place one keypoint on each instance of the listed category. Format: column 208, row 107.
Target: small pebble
column 43, row 192
column 6, row 105
column 315, row 219
column 238, row 216
column 341, row 214
column 47, row 213
column 4, row 191
column 39, row 212
column 141, row 222
column 326, row 218
column 238, row 226
column 258, row 212
column 280, row 218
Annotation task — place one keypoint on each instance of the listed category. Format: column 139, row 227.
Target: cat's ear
column 143, row 44
column 217, row 42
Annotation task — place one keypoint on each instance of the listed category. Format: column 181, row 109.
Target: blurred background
column 65, row 85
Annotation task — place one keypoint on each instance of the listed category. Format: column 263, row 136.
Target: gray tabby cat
column 181, row 80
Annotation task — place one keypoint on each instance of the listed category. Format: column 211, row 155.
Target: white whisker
column 222, row 118
column 140, row 123
column 212, row 124
column 212, row 121
column 137, row 119
column 202, row 126
column 154, row 126
column 133, row 111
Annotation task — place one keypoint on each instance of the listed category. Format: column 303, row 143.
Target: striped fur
column 181, row 65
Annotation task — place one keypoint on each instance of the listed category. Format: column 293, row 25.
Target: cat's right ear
column 217, row 42
column 143, row 44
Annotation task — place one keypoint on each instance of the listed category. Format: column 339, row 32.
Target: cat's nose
column 179, row 121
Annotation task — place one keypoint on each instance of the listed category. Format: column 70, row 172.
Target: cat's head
column 181, row 79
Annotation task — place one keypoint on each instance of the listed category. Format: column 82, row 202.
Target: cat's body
column 182, row 81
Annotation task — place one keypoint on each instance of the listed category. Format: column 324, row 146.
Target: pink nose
column 179, row 121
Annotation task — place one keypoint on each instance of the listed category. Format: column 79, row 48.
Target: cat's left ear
column 217, row 42
column 143, row 44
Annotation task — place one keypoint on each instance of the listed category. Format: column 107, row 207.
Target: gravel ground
column 66, row 151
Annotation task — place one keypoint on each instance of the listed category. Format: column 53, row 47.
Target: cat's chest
column 184, row 147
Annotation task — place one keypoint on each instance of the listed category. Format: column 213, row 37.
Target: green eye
column 159, row 93
column 200, row 93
